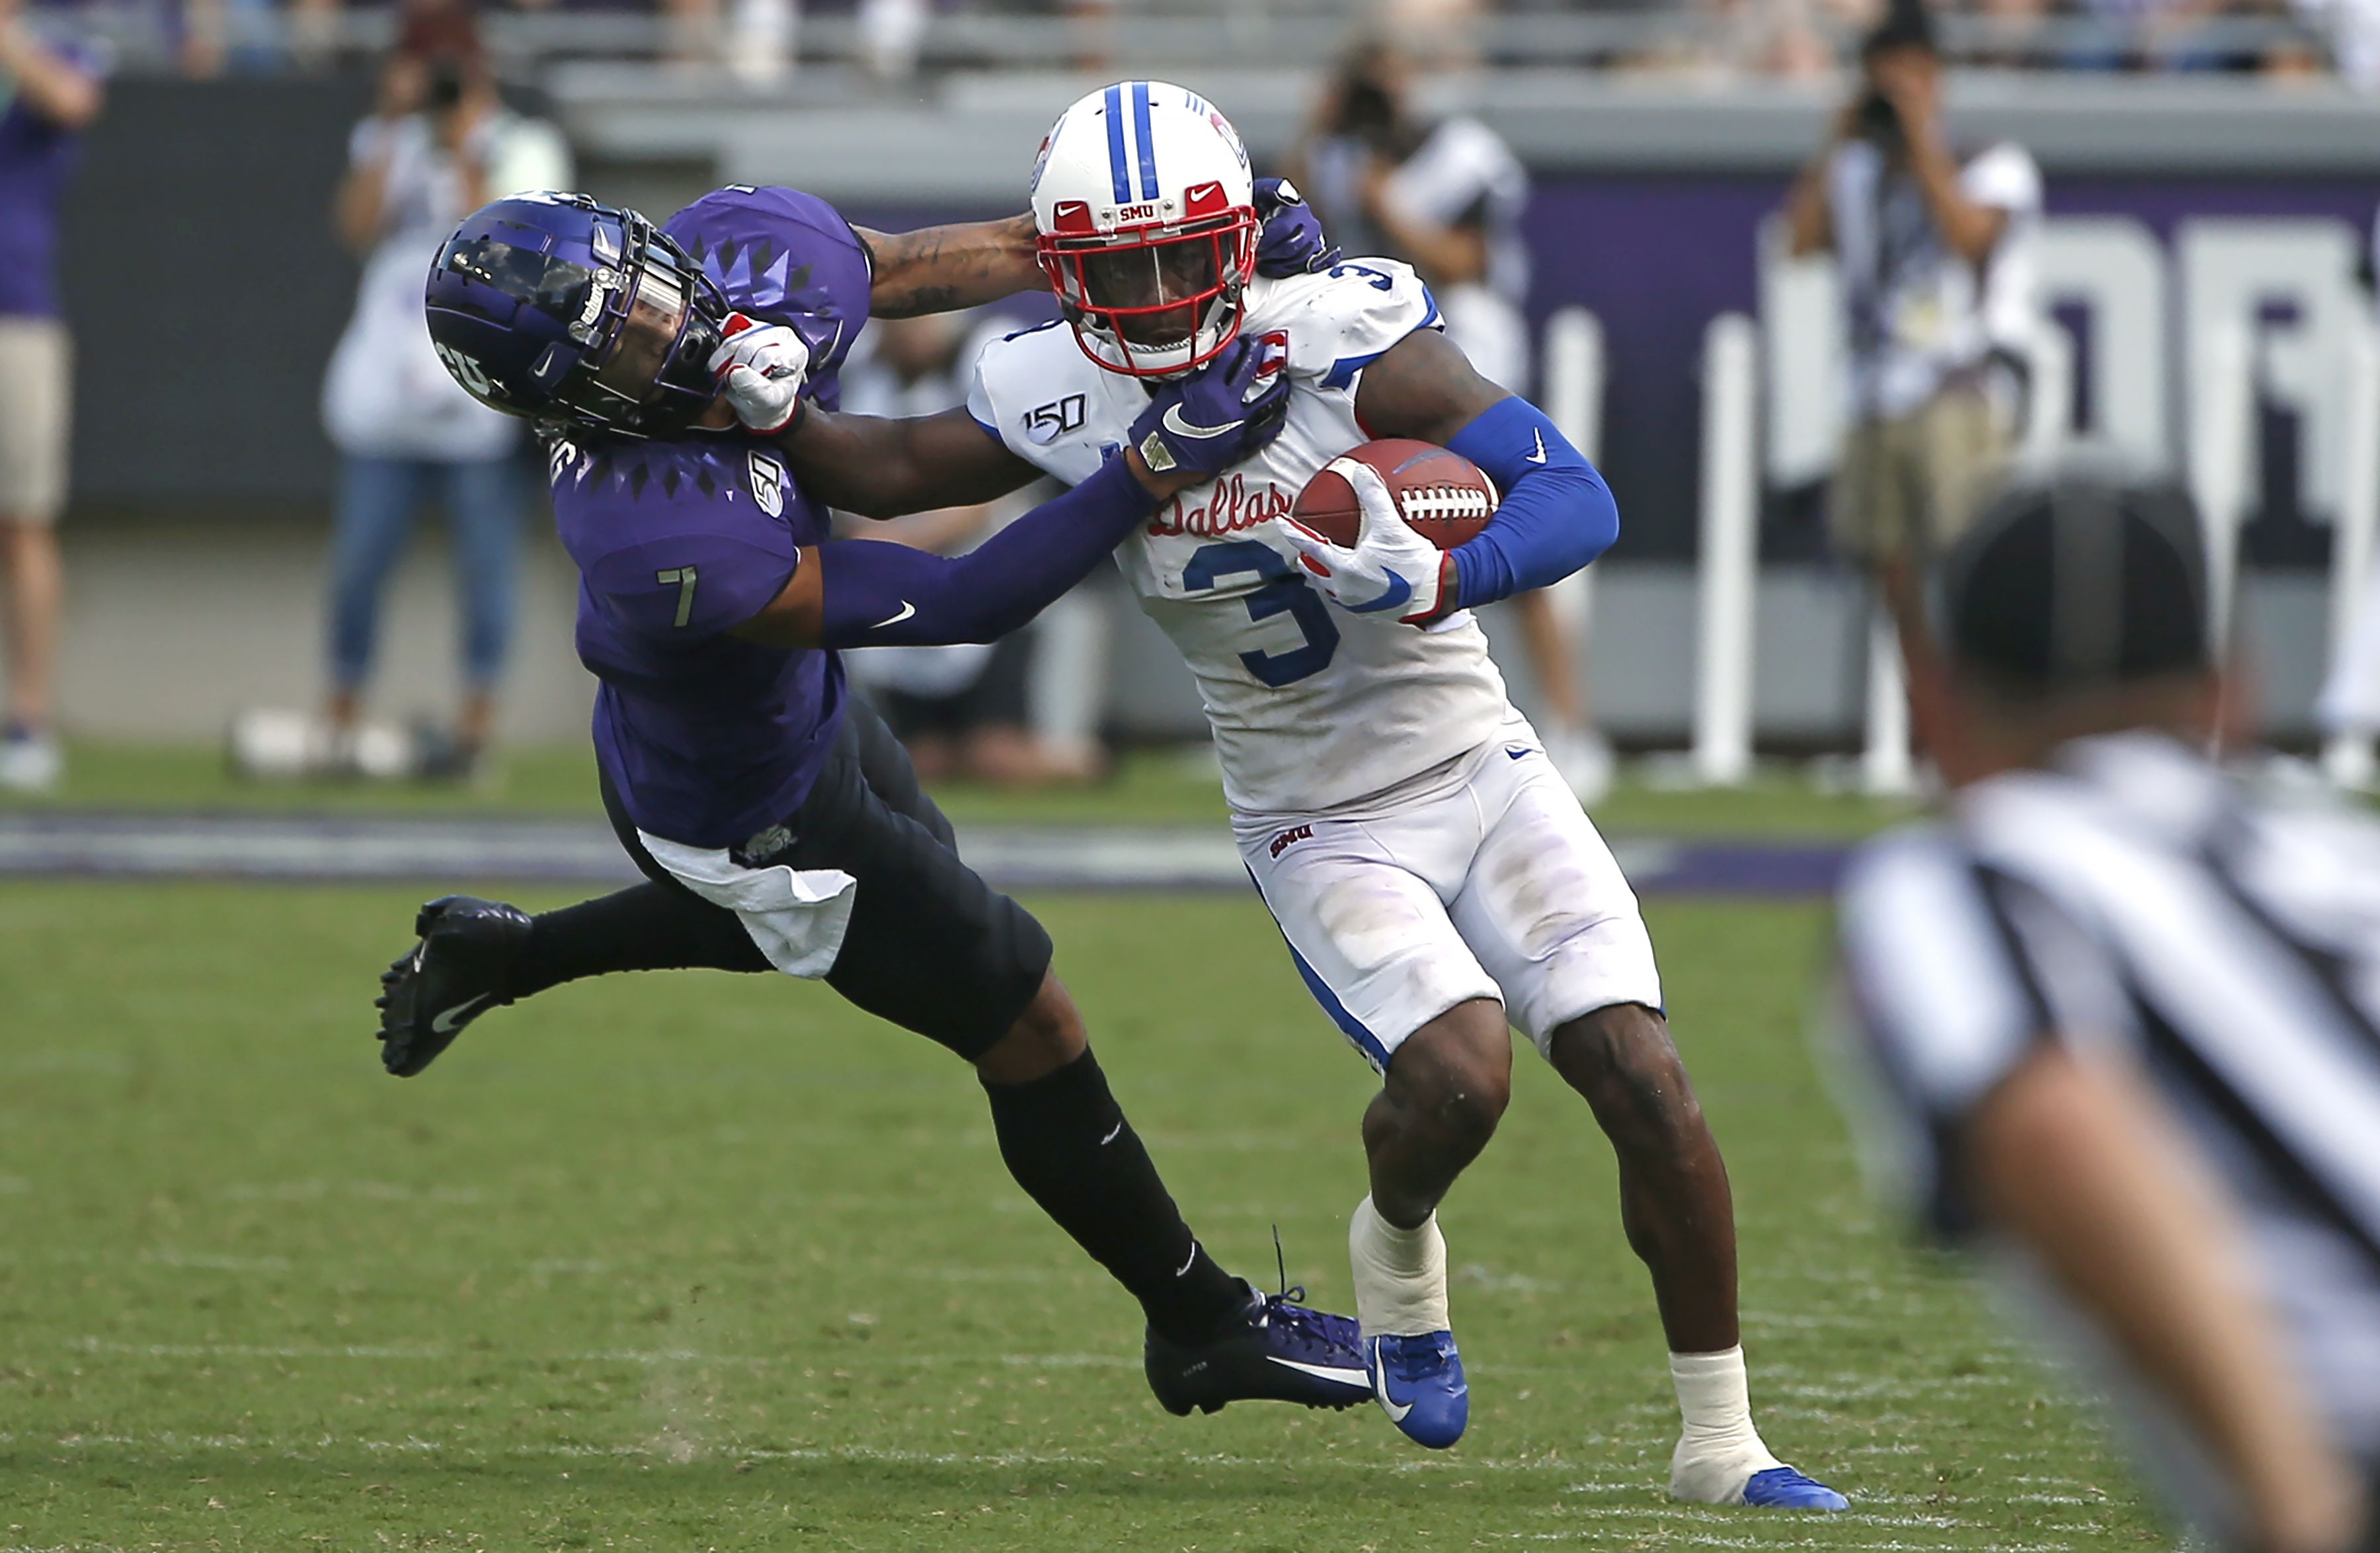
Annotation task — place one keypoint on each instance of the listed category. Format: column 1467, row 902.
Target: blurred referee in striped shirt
column 2127, row 1017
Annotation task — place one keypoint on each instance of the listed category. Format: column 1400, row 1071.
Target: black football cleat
column 1281, row 1351
column 456, row 973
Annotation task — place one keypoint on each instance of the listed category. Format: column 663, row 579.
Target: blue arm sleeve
column 879, row 594
column 1556, row 514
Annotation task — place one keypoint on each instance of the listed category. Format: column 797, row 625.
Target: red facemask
column 1156, row 301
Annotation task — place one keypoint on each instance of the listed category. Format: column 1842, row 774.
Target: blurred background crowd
column 892, row 39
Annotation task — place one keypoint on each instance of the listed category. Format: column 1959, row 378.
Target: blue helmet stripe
column 1116, row 171
column 1144, row 139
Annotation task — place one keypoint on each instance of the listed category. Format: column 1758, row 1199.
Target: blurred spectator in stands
column 763, row 36
column 1095, row 34
column 2010, row 34
column 2353, row 30
column 961, row 710
column 1448, row 198
column 231, row 34
column 690, row 34
column 1936, row 256
column 1849, row 19
column 267, row 34
column 439, row 145
column 48, row 93
column 1766, row 37
column 891, row 34
column 438, row 30
column 1789, row 43
column 1445, row 32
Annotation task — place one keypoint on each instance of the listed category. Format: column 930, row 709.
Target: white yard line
column 859, row 1357
column 1709, row 1515
column 209, row 1261
column 650, row 1356
column 1834, row 1544
column 302, row 1449
column 1697, row 1525
column 431, row 847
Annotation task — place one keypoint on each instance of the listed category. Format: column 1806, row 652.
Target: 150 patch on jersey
column 768, row 483
column 1046, row 423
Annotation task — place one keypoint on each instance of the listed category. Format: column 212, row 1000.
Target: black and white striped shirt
column 2134, row 899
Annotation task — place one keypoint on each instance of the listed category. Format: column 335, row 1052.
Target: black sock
column 1068, row 1145
column 646, row 927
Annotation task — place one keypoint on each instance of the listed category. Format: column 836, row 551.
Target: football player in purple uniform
column 779, row 825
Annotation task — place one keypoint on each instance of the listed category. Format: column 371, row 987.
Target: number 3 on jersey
column 1283, row 591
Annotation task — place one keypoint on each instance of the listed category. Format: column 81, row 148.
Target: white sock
column 1400, row 1275
column 1718, row 1450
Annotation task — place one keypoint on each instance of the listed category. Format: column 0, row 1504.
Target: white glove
column 1390, row 567
column 761, row 368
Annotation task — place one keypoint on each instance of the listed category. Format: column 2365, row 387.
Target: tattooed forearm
column 921, row 299
column 939, row 269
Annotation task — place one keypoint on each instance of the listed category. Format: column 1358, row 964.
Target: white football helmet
column 1147, row 215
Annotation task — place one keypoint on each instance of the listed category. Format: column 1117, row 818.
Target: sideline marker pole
column 1730, row 511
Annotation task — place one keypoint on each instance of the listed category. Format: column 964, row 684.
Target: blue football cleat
column 1783, row 1488
column 1281, row 1351
column 1418, row 1383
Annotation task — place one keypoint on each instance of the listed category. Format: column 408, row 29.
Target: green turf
column 1149, row 788
column 686, row 1262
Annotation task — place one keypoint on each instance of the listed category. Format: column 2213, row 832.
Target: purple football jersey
column 784, row 257
column 708, row 738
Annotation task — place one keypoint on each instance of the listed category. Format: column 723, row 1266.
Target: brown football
column 1442, row 495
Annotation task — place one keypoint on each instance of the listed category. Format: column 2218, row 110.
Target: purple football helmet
column 562, row 310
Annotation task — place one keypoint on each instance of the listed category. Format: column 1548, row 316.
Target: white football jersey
column 1313, row 708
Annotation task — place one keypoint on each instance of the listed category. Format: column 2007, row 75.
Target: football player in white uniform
column 1435, row 879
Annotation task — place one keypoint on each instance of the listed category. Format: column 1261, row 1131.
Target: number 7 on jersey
column 684, row 577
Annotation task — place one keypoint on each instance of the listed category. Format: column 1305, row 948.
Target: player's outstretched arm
column 1555, row 514
column 864, row 593
column 967, row 264
column 880, row 467
column 869, row 593
column 868, row 464
column 943, row 269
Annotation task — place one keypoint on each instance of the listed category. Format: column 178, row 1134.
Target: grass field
column 1148, row 788
column 687, row 1262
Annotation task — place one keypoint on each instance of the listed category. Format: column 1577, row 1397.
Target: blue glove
column 1292, row 241
column 1216, row 417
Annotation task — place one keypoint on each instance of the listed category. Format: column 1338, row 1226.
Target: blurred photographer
column 1447, row 198
column 441, row 144
column 1937, row 259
